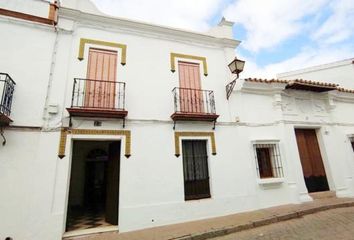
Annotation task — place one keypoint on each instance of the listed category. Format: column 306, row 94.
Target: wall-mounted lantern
column 236, row 67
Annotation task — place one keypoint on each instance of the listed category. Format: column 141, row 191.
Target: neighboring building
column 110, row 122
column 341, row 72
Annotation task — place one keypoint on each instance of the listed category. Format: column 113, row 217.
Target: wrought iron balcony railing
column 98, row 98
column 193, row 105
column 7, row 87
column 194, row 101
column 98, row 94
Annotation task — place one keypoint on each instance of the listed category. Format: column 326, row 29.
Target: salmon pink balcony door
column 100, row 89
column 191, row 94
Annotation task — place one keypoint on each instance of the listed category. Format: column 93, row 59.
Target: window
column 268, row 160
column 195, row 169
column 352, row 142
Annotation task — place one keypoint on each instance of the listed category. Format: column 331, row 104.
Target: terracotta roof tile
column 315, row 83
column 266, row 80
column 290, row 83
column 345, row 90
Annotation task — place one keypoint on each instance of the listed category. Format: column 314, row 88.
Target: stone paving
column 328, row 225
column 221, row 226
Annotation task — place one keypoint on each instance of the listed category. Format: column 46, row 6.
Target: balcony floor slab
column 194, row 117
column 104, row 113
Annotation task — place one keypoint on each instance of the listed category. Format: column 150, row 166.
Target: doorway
column 94, row 185
column 311, row 160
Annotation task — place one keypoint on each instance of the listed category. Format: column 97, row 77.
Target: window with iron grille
column 268, row 160
column 195, row 169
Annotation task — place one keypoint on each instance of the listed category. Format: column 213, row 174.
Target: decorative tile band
column 194, row 134
column 62, row 142
column 173, row 57
column 84, row 41
column 64, row 132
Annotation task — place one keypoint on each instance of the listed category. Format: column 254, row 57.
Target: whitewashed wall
column 26, row 51
column 26, row 174
column 151, row 184
column 329, row 113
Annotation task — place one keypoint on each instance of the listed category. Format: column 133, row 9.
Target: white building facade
column 128, row 124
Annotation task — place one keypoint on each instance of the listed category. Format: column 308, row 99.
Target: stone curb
column 262, row 222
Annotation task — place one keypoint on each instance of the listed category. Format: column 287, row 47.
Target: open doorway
column 311, row 160
column 94, row 185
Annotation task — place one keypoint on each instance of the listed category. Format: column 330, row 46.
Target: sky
column 276, row 35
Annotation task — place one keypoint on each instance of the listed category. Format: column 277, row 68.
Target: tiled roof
column 266, row 80
column 313, row 83
column 302, row 84
column 290, row 82
column 345, row 90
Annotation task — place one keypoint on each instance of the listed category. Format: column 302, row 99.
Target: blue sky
column 276, row 35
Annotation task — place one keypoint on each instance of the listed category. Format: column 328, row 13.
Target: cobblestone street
column 332, row 224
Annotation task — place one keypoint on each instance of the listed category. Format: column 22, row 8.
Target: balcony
column 7, row 87
column 98, row 99
column 194, row 105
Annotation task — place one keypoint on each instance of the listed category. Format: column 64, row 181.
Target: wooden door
column 311, row 160
column 100, row 89
column 191, row 95
column 112, row 193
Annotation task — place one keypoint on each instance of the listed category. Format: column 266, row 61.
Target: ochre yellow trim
column 62, row 142
column 84, row 41
column 194, row 134
column 65, row 131
column 173, row 57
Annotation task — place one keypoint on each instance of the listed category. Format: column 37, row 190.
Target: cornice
column 279, row 88
column 144, row 28
column 342, row 96
column 305, row 94
column 263, row 89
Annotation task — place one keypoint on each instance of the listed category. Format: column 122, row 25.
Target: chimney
column 223, row 29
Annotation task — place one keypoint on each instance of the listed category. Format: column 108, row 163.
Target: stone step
column 322, row 195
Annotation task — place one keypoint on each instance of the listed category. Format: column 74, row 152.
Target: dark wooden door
column 112, row 193
column 311, row 160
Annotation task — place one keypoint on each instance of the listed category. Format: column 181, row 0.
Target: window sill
column 264, row 181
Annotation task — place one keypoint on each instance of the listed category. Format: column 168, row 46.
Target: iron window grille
column 7, row 88
column 268, row 160
column 195, row 169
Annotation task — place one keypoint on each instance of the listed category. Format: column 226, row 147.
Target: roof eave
column 116, row 22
